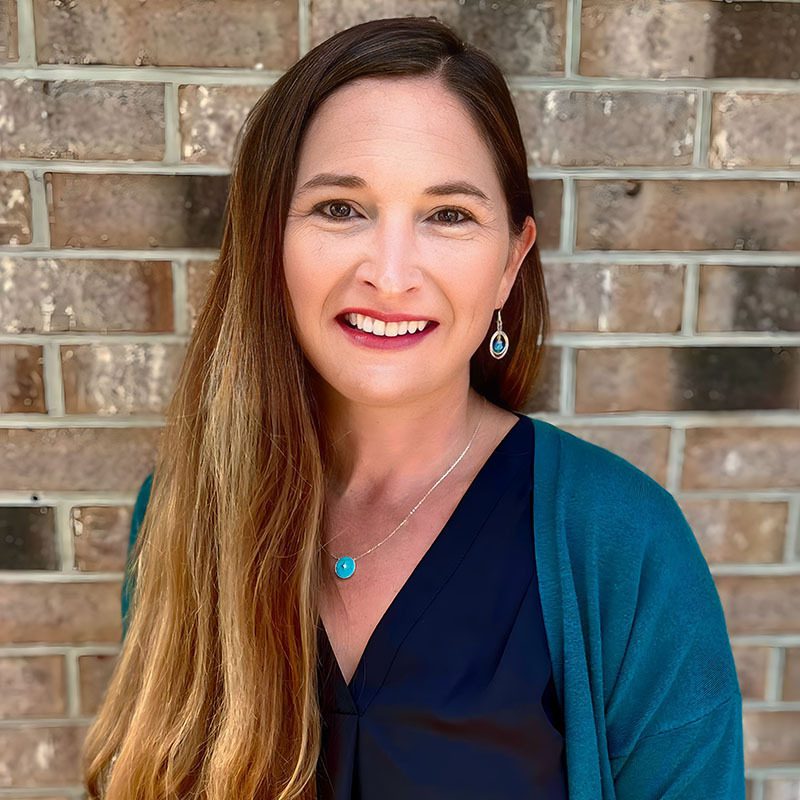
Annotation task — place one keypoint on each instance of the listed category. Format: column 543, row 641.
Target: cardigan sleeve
column 673, row 704
column 700, row 759
column 646, row 643
column 128, row 583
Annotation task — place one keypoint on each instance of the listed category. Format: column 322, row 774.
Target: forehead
column 408, row 124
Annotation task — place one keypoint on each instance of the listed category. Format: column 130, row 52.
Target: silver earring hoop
column 498, row 344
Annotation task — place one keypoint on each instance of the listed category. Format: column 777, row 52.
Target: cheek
column 472, row 287
column 304, row 278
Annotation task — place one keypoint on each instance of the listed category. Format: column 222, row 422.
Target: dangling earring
column 498, row 344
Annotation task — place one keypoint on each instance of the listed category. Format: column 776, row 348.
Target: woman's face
column 381, row 240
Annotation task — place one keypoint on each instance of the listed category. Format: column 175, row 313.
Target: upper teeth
column 381, row 328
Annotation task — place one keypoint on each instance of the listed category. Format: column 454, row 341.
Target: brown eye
column 335, row 216
column 453, row 211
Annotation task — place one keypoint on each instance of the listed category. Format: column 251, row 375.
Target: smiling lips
column 381, row 328
column 385, row 317
column 385, row 335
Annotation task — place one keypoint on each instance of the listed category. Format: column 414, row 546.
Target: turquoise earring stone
column 498, row 345
column 345, row 566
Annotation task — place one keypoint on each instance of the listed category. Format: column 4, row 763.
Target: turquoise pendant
column 345, row 566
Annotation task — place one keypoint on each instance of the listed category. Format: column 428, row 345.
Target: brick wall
column 664, row 148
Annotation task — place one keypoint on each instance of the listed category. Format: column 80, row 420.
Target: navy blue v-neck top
column 453, row 698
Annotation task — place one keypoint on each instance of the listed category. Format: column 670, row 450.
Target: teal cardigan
column 642, row 662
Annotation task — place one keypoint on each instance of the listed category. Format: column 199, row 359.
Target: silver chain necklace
column 345, row 566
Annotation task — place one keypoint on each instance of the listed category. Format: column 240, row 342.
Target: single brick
column 688, row 215
column 22, row 379
column 60, row 613
column 120, row 379
column 742, row 298
column 605, row 128
column 646, row 39
column 15, row 208
column 755, row 130
column 28, row 538
column 42, row 756
column 760, row 604
column 100, row 537
column 9, row 43
column 126, row 210
column 547, row 202
column 752, row 663
column 614, row 297
column 647, row 447
column 210, row 119
column 693, row 38
column 742, row 457
column 65, row 295
column 76, row 459
column 82, row 119
column 687, row 379
column 771, row 739
column 247, row 33
column 738, row 531
column 524, row 38
column 33, row 686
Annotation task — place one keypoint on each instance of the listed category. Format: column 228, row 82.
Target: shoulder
column 593, row 476
column 610, row 507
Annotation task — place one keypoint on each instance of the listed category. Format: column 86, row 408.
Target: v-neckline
column 424, row 582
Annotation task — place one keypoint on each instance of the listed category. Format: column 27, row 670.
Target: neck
column 380, row 451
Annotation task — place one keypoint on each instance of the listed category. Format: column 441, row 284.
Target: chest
column 352, row 608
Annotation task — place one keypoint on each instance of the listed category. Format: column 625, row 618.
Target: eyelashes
column 318, row 209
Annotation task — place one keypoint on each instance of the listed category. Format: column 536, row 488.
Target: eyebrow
column 437, row 190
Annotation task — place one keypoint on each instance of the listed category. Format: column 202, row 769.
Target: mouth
column 388, row 329
column 391, row 336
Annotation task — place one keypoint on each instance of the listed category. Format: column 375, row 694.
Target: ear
column 517, row 251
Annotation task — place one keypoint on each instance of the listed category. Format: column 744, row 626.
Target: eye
column 452, row 210
column 319, row 209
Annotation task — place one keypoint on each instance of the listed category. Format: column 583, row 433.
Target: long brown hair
column 214, row 694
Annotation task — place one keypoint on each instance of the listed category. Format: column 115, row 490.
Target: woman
column 360, row 570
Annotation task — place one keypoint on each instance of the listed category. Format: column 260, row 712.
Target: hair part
column 214, row 693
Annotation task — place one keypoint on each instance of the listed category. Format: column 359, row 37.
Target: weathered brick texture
column 626, row 128
column 688, row 215
column 689, row 38
column 663, row 143
column 248, row 33
column 743, row 298
column 526, row 38
column 615, row 298
column 9, row 42
column 66, row 295
column 15, row 209
column 755, row 130
column 83, row 120
column 135, row 211
column 210, row 118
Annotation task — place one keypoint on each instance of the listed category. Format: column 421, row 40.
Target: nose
column 391, row 264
